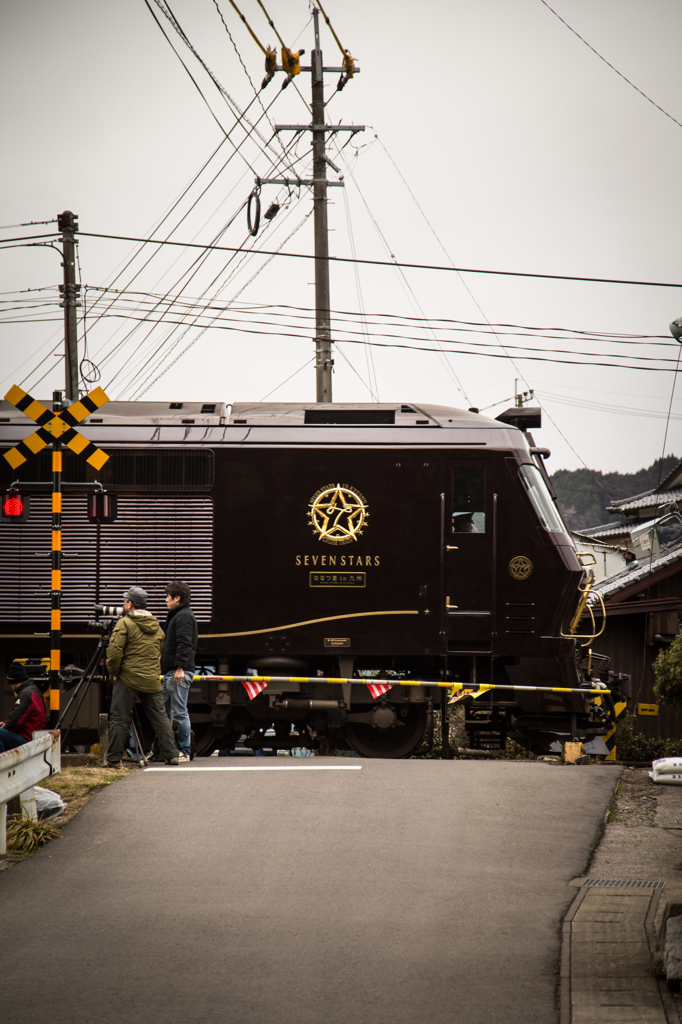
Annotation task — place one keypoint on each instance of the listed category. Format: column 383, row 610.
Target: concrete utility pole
column 68, row 225
column 319, row 183
column 323, row 339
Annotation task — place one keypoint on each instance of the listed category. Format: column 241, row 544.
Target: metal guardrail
column 21, row 769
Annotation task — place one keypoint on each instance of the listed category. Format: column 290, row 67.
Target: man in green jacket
column 133, row 664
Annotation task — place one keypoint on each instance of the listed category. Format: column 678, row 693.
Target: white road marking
column 264, row 768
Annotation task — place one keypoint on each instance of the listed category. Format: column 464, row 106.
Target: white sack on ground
column 48, row 803
column 667, row 765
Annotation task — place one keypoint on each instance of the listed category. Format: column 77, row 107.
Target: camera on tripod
column 109, row 611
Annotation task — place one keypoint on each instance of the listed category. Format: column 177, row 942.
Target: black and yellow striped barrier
column 476, row 687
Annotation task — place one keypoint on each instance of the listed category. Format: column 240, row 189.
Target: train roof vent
column 524, row 417
column 346, row 417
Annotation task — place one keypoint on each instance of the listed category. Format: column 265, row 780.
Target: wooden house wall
column 628, row 641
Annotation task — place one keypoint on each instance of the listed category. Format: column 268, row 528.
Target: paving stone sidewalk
column 612, row 931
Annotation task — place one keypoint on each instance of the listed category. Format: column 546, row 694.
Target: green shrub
column 668, row 674
column 632, row 746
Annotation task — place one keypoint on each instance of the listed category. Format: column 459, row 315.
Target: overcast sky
column 495, row 139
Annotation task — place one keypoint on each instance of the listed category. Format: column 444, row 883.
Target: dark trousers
column 9, row 740
column 122, row 701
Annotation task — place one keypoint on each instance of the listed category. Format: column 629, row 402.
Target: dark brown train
column 391, row 541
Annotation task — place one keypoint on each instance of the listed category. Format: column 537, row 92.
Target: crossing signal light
column 15, row 506
column 102, row 508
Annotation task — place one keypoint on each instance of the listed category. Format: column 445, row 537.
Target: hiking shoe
column 172, row 760
column 184, row 758
column 153, row 755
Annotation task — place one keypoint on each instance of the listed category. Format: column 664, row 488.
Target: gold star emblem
column 338, row 513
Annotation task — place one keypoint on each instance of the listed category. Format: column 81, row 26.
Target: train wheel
column 204, row 735
column 400, row 741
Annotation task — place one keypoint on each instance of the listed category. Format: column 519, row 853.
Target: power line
column 608, row 63
column 28, row 224
column 447, row 254
column 361, row 316
column 204, row 329
column 194, row 81
column 461, row 352
column 385, row 263
column 222, row 321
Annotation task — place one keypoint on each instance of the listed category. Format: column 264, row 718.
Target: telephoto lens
column 108, row 610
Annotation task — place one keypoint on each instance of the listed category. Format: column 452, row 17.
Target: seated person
column 28, row 714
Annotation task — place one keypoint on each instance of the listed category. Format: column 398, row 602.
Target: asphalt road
column 370, row 892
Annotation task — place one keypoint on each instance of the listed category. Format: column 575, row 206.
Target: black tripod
column 97, row 668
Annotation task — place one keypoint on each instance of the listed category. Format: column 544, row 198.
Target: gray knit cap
column 137, row 595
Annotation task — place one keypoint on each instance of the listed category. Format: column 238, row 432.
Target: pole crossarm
column 300, row 181
column 52, row 425
column 320, row 127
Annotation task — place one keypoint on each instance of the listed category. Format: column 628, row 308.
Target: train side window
column 541, row 499
column 468, row 500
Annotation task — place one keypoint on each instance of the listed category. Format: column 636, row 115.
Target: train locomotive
column 346, row 540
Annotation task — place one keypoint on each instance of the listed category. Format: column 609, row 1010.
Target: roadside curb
column 608, row 944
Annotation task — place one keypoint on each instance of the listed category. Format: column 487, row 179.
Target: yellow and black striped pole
column 56, row 428
column 56, row 609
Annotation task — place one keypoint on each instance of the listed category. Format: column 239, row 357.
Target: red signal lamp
column 15, row 506
column 102, row 508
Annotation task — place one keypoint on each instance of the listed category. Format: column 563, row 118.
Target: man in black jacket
column 177, row 660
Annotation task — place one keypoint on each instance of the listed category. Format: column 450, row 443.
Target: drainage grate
column 619, row 883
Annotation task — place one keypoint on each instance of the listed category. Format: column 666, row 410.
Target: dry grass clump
column 75, row 785
column 25, row 835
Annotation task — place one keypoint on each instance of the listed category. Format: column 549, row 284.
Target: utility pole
column 324, row 362
column 323, row 337
column 70, row 291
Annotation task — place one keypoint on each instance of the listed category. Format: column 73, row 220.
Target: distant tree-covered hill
column 585, row 493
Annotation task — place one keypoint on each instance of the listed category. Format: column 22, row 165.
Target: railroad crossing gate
column 56, row 428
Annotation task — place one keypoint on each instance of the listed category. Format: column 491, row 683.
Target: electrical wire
column 412, row 298
column 202, row 258
column 423, row 348
column 447, row 255
column 233, row 257
column 608, row 63
column 361, row 316
column 194, row 81
column 371, row 369
column 391, row 263
column 28, row 224
column 294, row 374
column 142, row 390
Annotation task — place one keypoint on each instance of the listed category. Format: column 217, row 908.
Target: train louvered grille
column 141, row 470
column 152, row 541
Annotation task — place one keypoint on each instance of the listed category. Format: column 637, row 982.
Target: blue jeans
column 175, row 696
column 9, row 740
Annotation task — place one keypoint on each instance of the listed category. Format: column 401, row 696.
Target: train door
column 469, row 514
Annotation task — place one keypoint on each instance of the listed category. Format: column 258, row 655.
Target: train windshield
column 468, row 500
column 541, row 499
